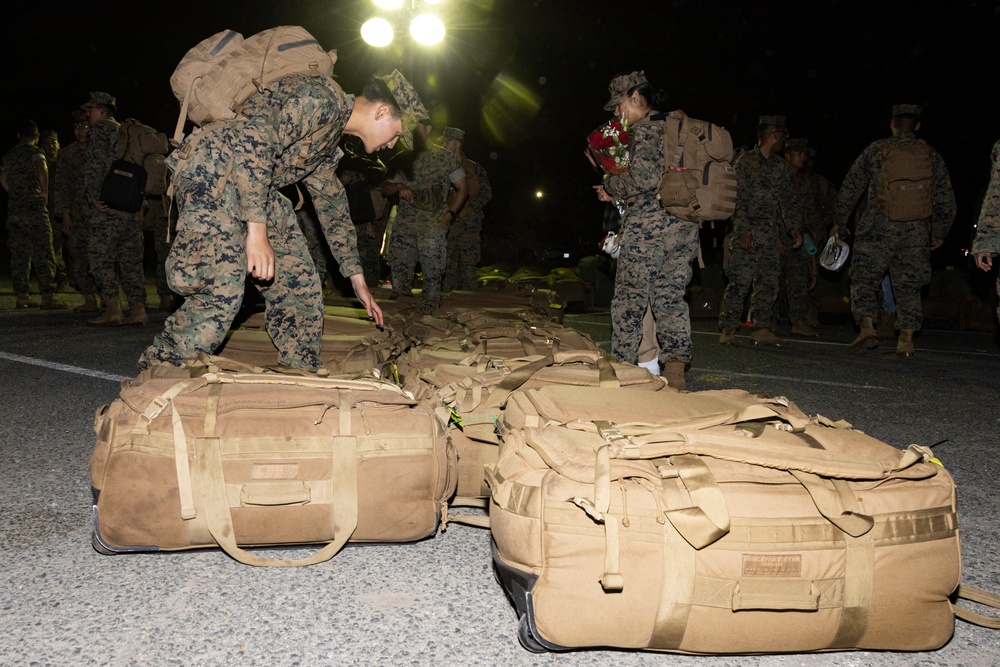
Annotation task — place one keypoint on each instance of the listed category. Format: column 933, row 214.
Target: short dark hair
column 27, row 128
column 376, row 90
column 654, row 98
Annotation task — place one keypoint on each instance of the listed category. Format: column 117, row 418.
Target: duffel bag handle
column 973, row 594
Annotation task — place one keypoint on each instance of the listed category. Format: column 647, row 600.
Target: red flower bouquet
column 609, row 146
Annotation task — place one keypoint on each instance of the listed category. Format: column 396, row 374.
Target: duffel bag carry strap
column 973, row 594
column 208, row 459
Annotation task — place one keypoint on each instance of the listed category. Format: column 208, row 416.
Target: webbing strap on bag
column 982, row 597
column 215, row 500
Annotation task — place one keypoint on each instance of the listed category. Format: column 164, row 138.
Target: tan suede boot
column 904, row 346
column 136, row 316
column 867, row 339
column 24, row 302
column 111, row 317
column 727, row 337
column 89, row 305
column 886, row 326
column 766, row 337
column 49, row 303
column 673, row 373
column 802, row 328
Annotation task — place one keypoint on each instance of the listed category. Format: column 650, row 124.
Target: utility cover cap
column 834, row 254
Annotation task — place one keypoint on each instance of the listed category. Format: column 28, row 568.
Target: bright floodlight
column 427, row 29
column 538, row 194
column 377, row 32
column 389, row 4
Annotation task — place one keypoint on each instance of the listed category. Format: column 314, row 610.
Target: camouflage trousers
column 757, row 269
column 29, row 239
column 424, row 241
column 78, row 244
column 314, row 241
column 901, row 249
column 653, row 272
column 794, row 284
column 208, row 266
column 115, row 253
column 464, row 252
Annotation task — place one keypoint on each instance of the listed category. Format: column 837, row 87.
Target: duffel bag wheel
column 527, row 639
column 99, row 547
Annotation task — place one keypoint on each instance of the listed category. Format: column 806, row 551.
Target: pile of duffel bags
column 623, row 513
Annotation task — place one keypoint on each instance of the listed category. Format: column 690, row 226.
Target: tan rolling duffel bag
column 716, row 522
column 253, row 459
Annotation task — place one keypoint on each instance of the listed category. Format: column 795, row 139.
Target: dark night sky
column 527, row 78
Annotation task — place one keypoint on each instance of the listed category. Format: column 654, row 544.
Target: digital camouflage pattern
column 420, row 229
column 900, row 248
column 155, row 220
column 988, row 226
column 655, row 264
column 29, row 234
column 115, row 248
column 465, row 232
column 71, row 197
column 230, row 174
column 768, row 207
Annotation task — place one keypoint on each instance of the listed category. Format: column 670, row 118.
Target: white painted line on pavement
column 787, row 379
column 61, row 367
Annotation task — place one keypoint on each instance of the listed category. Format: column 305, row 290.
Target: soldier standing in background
column 48, row 141
column 234, row 223
column 465, row 233
column 987, row 241
column 656, row 248
column 766, row 223
column 71, row 212
column 423, row 181
column 116, row 238
column 795, row 273
column 154, row 220
column 819, row 219
column 24, row 175
column 910, row 208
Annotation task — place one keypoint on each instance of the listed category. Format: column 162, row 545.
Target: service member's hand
column 260, row 254
column 366, row 298
column 602, row 194
column 100, row 206
column 796, row 238
column 746, row 242
column 936, row 243
column 984, row 260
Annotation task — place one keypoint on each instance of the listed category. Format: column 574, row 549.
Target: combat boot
column 886, row 326
column 802, row 328
column 727, row 337
column 49, row 303
column 111, row 317
column 89, row 305
column 24, row 302
column 673, row 373
column 766, row 337
column 137, row 315
column 904, row 346
column 867, row 339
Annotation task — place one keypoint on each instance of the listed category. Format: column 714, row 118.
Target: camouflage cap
column 776, row 121
column 79, row 117
column 408, row 100
column 99, row 98
column 620, row 85
column 798, row 145
column 453, row 133
column 907, row 110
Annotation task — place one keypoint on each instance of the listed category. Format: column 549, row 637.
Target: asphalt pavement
column 431, row 602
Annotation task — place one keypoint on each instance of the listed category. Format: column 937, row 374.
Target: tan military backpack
column 905, row 192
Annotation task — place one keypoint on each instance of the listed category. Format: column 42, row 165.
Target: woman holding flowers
column 657, row 249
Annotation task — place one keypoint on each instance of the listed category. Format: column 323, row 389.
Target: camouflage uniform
column 657, row 250
column 154, row 220
column 229, row 174
column 55, row 221
column 115, row 250
column 465, row 232
column 29, row 234
column 768, row 207
column 419, row 231
column 70, row 196
column 795, row 274
column 881, row 245
column 988, row 227
column 370, row 236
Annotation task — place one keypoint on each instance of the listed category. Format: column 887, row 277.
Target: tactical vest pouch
column 124, row 186
column 906, row 180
